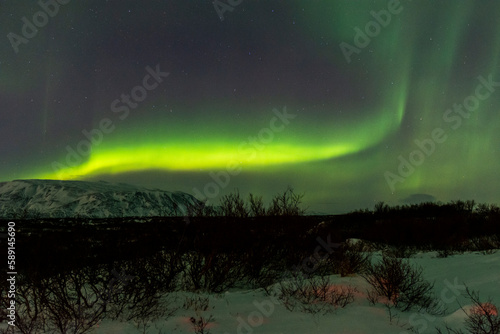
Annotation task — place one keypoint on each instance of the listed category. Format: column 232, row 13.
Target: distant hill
column 63, row 199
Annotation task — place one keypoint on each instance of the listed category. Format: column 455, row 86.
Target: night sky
column 350, row 102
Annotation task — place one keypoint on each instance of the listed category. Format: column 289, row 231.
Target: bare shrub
column 200, row 324
column 445, row 252
column 76, row 301
column 485, row 244
column 286, row 204
column 201, row 209
column 372, row 296
column 314, row 295
column 196, row 303
column 482, row 318
column 401, row 283
column 199, row 304
column 139, row 302
column 233, row 205
column 261, row 274
column 257, row 208
column 136, row 293
column 381, row 208
column 71, row 304
column 352, row 259
column 401, row 251
column 213, row 272
column 29, row 306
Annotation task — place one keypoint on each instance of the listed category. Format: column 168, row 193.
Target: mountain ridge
column 35, row 198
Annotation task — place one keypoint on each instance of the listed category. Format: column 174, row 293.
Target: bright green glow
column 427, row 59
column 214, row 142
column 158, row 157
column 163, row 146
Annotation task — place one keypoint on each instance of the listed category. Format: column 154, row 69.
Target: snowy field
column 254, row 311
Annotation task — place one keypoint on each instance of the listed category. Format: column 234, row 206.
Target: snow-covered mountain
column 62, row 199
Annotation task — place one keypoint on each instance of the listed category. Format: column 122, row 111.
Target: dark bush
column 401, row 283
column 286, row 204
column 482, row 318
column 233, row 205
column 211, row 272
column 313, row 295
column 257, row 208
column 352, row 259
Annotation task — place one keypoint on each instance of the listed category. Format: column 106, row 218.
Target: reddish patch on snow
column 485, row 309
column 387, row 286
column 188, row 321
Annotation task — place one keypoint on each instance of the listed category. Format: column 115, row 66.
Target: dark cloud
column 418, row 198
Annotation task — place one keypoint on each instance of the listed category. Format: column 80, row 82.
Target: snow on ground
column 252, row 311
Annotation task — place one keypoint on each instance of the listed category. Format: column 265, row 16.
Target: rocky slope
column 62, row 199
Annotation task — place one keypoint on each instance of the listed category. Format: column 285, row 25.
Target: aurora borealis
column 166, row 94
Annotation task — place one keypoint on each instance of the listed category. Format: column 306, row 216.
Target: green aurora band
column 161, row 147
column 416, row 68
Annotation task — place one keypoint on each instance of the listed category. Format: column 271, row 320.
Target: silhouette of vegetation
column 75, row 301
column 351, row 259
column 118, row 268
column 401, row 284
column 211, row 272
column 286, row 204
column 233, row 205
column 313, row 295
column 257, row 208
column 482, row 318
